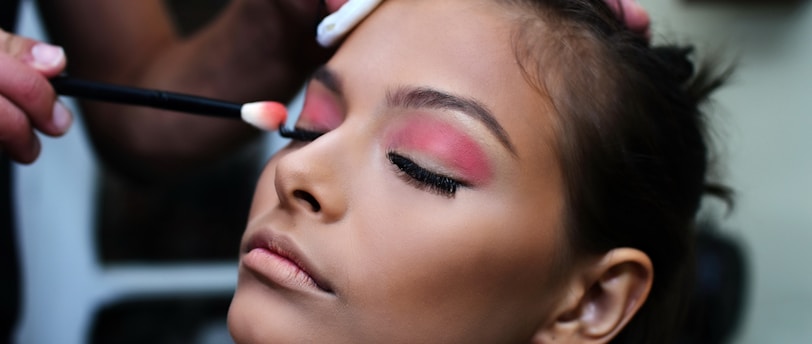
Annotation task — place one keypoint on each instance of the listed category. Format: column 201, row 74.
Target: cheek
column 464, row 267
column 265, row 196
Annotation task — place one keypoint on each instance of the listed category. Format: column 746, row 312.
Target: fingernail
column 46, row 55
column 61, row 117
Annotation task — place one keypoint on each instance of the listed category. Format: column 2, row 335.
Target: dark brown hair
column 631, row 142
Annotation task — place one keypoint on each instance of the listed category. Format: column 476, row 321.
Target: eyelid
column 423, row 178
column 322, row 109
column 449, row 146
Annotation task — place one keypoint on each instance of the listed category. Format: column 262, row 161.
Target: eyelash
column 299, row 134
column 413, row 173
column 424, row 179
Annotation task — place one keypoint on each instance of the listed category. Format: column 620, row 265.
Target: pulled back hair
column 631, row 143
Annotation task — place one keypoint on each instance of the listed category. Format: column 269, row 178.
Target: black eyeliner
column 299, row 134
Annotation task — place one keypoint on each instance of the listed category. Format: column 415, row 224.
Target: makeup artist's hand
column 334, row 5
column 635, row 16
column 27, row 100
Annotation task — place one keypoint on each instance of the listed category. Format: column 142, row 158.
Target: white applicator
column 264, row 115
column 341, row 22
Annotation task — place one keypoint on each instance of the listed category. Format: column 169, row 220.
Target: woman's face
column 430, row 211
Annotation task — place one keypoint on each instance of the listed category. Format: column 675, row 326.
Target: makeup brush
column 265, row 115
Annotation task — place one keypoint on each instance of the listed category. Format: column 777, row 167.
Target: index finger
column 31, row 92
column 334, row 5
column 633, row 15
column 46, row 58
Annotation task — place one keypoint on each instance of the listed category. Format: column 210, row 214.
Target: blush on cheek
column 448, row 144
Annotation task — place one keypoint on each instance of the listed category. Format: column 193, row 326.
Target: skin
column 27, row 101
column 403, row 264
column 448, row 145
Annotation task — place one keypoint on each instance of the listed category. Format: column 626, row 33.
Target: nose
column 308, row 181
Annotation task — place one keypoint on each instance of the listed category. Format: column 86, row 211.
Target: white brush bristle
column 264, row 115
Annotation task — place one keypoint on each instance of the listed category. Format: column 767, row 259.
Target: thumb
column 636, row 17
column 46, row 58
column 334, row 5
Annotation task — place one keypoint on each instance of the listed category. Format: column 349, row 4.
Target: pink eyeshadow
column 446, row 143
column 319, row 112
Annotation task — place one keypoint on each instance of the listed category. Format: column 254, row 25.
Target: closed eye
column 424, row 179
column 299, row 134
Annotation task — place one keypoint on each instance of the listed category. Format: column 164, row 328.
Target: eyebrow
column 422, row 98
column 329, row 79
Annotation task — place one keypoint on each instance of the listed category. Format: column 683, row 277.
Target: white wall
column 765, row 119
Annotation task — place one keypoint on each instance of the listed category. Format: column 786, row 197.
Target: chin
column 239, row 324
column 250, row 323
column 258, row 316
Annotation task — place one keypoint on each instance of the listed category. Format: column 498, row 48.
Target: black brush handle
column 68, row 86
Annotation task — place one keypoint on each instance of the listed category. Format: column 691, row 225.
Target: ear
column 602, row 299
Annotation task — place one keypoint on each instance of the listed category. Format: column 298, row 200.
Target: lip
column 278, row 260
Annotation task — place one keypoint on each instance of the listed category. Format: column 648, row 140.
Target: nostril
column 307, row 197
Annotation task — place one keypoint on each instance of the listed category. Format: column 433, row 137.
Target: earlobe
column 602, row 300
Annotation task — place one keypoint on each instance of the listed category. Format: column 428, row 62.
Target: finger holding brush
column 27, row 102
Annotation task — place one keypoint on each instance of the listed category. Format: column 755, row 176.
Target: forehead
column 464, row 47
column 455, row 41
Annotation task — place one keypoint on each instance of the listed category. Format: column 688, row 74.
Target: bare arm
column 254, row 50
